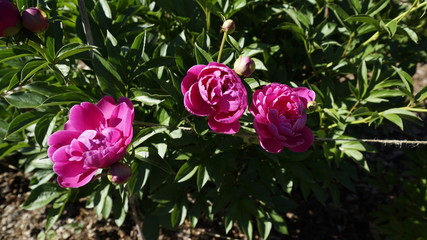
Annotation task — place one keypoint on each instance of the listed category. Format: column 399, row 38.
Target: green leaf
column 185, row 172
column 178, row 215
column 71, row 49
column 101, row 198
column 66, row 99
column 202, row 57
column 42, row 195
column 150, row 155
column 108, row 206
column 25, row 99
column 22, row 121
column 13, row 53
column 31, row 68
column 139, row 177
column 372, row 11
column 6, row 148
column 56, row 210
column 411, row 34
column 395, row 115
column 109, row 79
column 264, row 227
column 202, row 177
column 406, row 78
column 364, row 19
column 356, row 4
column 42, row 127
column 120, row 208
column 148, row 99
column 392, row 27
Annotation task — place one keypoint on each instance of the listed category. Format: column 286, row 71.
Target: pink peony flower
column 280, row 117
column 10, row 19
column 94, row 137
column 216, row 91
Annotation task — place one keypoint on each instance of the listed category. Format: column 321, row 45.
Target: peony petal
column 227, row 128
column 59, row 139
column 63, row 167
column 77, row 181
column 261, row 127
column 271, row 144
column 191, row 78
column 85, row 116
column 194, row 103
column 106, row 105
column 306, row 95
column 307, row 137
column 122, row 119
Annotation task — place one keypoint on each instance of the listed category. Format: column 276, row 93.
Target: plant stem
column 136, row 218
column 352, row 108
column 224, row 38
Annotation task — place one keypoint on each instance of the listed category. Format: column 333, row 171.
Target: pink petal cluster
column 280, row 117
column 94, row 137
column 10, row 19
column 216, row 91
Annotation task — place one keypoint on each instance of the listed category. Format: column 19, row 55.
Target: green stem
column 414, row 109
column 352, row 108
column 224, row 38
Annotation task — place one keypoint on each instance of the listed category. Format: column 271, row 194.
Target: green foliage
column 358, row 56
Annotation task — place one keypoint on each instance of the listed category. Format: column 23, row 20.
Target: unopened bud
column 10, row 19
column 244, row 66
column 35, row 20
column 119, row 173
column 228, row 26
column 312, row 105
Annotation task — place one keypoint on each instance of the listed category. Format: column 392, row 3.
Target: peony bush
column 237, row 112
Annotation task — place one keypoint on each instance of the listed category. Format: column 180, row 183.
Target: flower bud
column 119, row 173
column 228, row 26
column 10, row 20
column 312, row 105
column 35, row 20
column 244, row 66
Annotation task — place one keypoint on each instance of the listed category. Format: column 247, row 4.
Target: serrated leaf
column 42, row 195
